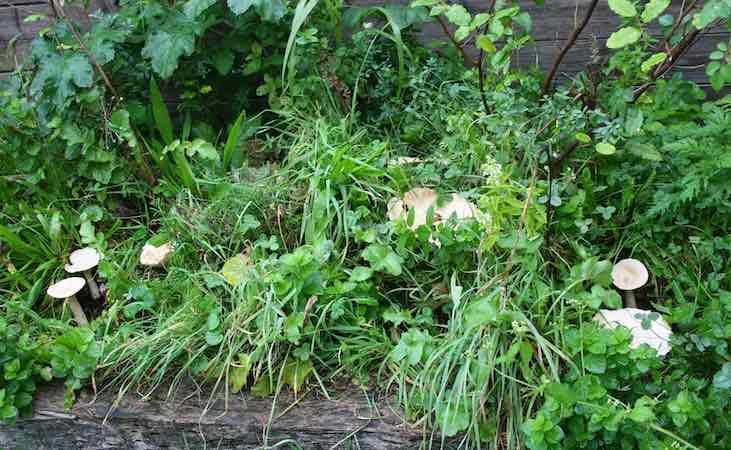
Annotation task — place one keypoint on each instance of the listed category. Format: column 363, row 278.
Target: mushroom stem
column 629, row 299
column 93, row 287
column 76, row 310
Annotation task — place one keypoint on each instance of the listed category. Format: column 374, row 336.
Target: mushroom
column 152, row 256
column 66, row 290
column 458, row 206
column 84, row 260
column 629, row 274
column 656, row 336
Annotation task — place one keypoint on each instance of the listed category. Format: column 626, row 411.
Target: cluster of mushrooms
column 629, row 275
column 420, row 199
column 83, row 262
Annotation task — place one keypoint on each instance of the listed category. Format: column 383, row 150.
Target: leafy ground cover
column 285, row 194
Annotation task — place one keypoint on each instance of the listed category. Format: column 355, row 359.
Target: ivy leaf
column 653, row 9
column 223, row 61
column 722, row 379
column 624, row 37
column 203, row 149
column 271, row 10
column 624, row 8
column 165, row 49
column 642, row 412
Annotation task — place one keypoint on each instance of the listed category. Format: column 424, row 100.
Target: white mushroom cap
column 84, row 259
column 629, row 274
column 66, row 288
column 420, row 200
column 152, row 256
column 458, row 206
column 657, row 337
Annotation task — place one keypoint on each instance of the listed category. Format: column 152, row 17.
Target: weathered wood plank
column 314, row 423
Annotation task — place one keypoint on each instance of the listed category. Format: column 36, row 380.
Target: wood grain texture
column 314, row 423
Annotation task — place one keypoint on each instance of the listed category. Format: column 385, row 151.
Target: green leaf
column 624, row 8
column 644, row 150
column 165, row 49
column 239, row 7
column 397, row 316
column 595, row 363
column 160, row 113
column 458, row 15
column 272, row 10
column 239, row 372
column 236, row 269
column 296, row 373
column 213, row 338
column 194, row 8
column 203, row 149
column 652, row 61
column 383, row 258
column 642, row 411
column 223, row 60
column 360, row 273
column 722, row 379
column 481, row 312
column 292, row 326
column 605, row 148
column 410, row 346
column 653, row 10
column 583, row 138
column 624, row 37
column 485, row 43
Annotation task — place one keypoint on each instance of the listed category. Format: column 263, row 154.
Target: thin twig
column 58, row 9
column 570, row 43
column 459, row 46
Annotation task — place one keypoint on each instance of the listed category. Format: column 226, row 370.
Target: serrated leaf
column 624, row 8
column 236, row 269
column 165, row 50
column 653, row 10
column 624, row 37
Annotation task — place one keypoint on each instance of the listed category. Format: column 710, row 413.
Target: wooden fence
column 552, row 23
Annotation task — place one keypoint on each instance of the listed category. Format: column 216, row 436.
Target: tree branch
column 58, row 9
column 570, row 43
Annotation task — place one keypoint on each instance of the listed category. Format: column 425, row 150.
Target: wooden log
column 313, row 422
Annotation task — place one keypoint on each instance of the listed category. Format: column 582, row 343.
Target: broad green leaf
column 583, row 138
column 605, row 148
column 239, row 372
column 481, row 312
column 711, row 11
column 410, row 346
column 722, row 379
column 296, row 373
column 644, row 150
column 461, row 34
column 653, row 10
column 417, row 3
column 485, row 43
column 360, row 273
column 642, row 412
column 239, row 7
column 236, row 269
column 194, row 8
column 223, row 60
column 397, row 316
column 624, row 37
column 652, row 61
column 624, row 8
column 119, row 122
column 165, row 50
column 203, row 149
column 458, row 15
column 383, row 258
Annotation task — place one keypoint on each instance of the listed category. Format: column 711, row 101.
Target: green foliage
column 266, row 143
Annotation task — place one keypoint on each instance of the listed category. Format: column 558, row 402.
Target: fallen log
column 350, row 420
